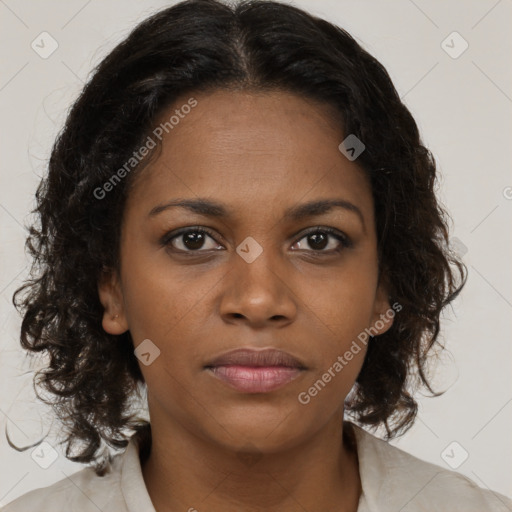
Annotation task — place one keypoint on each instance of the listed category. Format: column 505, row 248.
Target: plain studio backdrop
column 449, row 61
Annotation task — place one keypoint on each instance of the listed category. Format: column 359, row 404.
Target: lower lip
column 255, row 379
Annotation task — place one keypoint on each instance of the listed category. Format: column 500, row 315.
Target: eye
column 190, row 240
column 194, row 239
column 318, row 239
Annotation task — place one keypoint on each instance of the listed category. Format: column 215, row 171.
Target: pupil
column 316, row 239
column 194, row 240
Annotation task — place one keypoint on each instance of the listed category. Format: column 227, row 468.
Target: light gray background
column 463, row 108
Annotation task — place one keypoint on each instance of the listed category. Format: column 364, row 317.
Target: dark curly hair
column 206, row 45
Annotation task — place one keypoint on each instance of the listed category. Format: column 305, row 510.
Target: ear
column 383, row 313
column 111, row 297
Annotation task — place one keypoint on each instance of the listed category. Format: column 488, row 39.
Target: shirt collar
column 133, row 486
column 390, row 477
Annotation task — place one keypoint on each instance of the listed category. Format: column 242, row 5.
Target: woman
column 240, row 215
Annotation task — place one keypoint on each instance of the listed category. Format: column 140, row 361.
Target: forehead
column 251, row 149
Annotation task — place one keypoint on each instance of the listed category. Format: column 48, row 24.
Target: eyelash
column 345, row 241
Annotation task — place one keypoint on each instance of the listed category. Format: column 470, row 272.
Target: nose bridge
column 257, row 289
column 256, row 266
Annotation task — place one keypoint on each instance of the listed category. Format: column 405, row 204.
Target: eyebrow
column 206, row 207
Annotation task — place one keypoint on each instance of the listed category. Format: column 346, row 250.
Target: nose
column 259, row 294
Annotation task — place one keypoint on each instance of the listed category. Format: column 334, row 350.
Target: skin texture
column 215, row 448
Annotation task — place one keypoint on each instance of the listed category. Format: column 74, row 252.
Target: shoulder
column 83, row 491
column 393, row 479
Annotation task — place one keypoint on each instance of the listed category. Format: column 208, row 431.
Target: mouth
column 256, row 371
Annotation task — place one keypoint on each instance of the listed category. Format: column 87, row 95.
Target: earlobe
column 111, row 297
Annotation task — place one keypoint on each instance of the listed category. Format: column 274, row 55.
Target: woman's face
column 256, row 280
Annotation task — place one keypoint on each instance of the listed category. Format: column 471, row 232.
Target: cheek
column 338, row 358
column 341, row 302
column 154, row 296
column 169, row 305
column 340, row 311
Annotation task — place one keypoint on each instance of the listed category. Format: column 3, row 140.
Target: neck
column 184, row 472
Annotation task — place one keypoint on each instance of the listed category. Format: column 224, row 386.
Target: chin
column 267, row 428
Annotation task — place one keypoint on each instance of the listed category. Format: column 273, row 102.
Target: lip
column 256, row 371
column 257, row 357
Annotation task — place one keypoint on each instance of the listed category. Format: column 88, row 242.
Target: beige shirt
column 392, row 481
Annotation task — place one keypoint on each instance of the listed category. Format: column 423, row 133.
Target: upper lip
column 256, row 357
